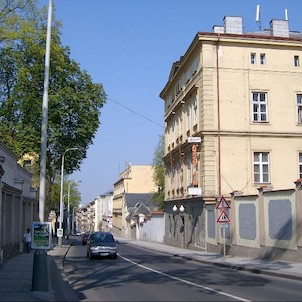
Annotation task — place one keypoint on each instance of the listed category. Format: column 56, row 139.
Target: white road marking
column 185, row 281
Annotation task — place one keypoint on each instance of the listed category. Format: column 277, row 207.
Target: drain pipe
column 218, row 116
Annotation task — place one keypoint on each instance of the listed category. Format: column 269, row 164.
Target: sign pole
column 224, row 243
column 223, row 219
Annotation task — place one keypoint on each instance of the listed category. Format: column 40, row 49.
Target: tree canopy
column 75, row 101
column 159, row 172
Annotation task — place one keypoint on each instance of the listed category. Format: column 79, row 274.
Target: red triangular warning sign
column 223, row 217
column 223, row 204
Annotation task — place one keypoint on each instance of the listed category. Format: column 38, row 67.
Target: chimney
column 233, row 25
column 279, row 28
column 218, row 29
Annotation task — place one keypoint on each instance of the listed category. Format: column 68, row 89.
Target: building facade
column 18, row 204
column 103, row 211
column 233, row 122
column 96, row 215
column 134, row 179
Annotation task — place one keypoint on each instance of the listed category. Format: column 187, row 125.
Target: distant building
column 134, row 179
column 96, row 215
column 135, row 205
column 233, row 122
column 103, row 212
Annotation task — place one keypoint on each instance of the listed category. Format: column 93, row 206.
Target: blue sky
column 129, row 46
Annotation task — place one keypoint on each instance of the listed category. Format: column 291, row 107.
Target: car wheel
column 114, row 256
column 90, row 255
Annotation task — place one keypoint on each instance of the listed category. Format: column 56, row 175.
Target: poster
column 41, row 235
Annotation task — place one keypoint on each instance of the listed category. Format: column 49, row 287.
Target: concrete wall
column 267, row 225
column 152, row 229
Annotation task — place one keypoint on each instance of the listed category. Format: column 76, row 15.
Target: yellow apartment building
column 134, row 179
column 233, row 121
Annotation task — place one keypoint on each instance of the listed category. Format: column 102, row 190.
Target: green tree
column 74, row 100
column 17, row 19
column 159, row 173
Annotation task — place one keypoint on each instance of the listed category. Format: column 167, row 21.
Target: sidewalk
column 16, row 274
column 16, row 278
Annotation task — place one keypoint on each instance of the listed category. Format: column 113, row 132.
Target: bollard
column 40, row 274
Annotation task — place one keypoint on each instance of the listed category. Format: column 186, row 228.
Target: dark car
column 101, row 244
column 85, row 238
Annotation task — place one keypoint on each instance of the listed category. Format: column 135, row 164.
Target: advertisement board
column 41, row 235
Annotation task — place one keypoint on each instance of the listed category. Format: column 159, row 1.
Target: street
column 139, row 274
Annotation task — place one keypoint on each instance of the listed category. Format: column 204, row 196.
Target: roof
column 131, row 199
column 139, row 203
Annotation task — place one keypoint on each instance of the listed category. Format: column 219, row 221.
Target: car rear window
column 102, row 238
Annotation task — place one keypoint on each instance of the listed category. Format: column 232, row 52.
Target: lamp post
column 61, row 196
column 72, row 221
column 45, row 118
column 181, row 210
column 68, row 206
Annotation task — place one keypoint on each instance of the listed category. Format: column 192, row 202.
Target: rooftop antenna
column 258, row 21
column 286, row 15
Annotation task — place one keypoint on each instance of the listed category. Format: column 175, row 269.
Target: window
column 261, row 167
column 188, row 75
column 299, row 108
column 178, row 87
column 170, row 136
column 195, row 65
column 189, row 174
column 179, row 177
column 296, row 61
column 169, row 101
column 188, row 118
column 173, row 132
column 253, row 58
column 177, row 129
column 173, row 178
column 195, row 113
column 262, row 59
column 300, row 165
column 259, row 101
column 180, row 125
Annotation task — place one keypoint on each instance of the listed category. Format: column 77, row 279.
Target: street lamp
column 61, row 196
column 181, row 208
column 68, row 206
column 45, row 118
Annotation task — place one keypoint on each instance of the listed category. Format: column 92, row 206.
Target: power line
column 131, row 110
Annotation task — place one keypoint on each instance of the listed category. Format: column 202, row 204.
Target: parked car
column 101, row 244
column 85, row 238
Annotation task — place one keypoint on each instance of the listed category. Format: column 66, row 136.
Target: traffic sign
column 223, row 217
column 223, row 204
column 224, row 225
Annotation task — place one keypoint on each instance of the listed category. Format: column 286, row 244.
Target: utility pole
column 45, row 118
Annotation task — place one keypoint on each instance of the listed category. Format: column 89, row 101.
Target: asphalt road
column 142, row 275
